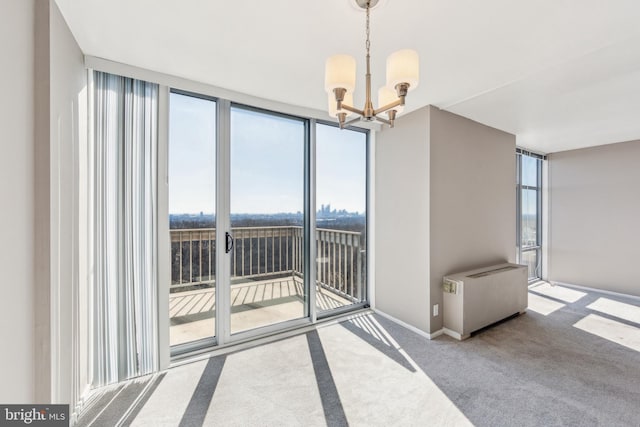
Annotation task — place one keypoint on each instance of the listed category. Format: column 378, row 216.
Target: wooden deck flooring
column 253, row 304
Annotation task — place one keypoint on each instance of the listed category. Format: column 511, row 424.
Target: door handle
column 228, row 242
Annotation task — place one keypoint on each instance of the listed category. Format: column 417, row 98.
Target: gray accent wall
column 402, row 220
column 594, row 224
column 445, row 203
column 43, row 156
column 473, row 198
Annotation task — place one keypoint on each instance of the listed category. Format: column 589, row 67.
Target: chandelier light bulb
column 403, row 67
column 340, row 72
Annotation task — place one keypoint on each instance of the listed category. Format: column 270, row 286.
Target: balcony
column 267, row 283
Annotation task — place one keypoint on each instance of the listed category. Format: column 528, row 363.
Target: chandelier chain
column 368, row 43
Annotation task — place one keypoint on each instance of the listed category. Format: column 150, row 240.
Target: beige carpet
column 572, row 359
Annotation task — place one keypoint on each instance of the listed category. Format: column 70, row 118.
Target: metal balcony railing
column 262, row 252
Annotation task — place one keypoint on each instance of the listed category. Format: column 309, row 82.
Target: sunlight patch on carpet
column 558, row 292
column 617, row 309
column 542, row 305
column 617, row 332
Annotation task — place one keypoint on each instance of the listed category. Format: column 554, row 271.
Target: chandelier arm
column 352, row 121
column 387, row 107
column 385, row 121
column 344, row 106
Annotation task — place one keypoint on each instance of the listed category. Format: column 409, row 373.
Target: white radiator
column 477, row 298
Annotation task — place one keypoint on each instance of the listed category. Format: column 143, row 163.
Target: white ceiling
column 560, row 74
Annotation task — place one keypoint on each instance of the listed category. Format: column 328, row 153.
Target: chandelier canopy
column 340, row 82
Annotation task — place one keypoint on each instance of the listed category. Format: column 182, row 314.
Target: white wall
column 17, row 195
column 402, row 220
column 68, row 102
column 43, row 121
column 595, row 217
column 473, row 198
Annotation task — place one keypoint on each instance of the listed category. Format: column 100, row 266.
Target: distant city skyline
column 318, row 210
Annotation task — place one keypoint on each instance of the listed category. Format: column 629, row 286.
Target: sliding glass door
column 192, row 218
column 341, row 217
column 241, row 202
column 267, row 219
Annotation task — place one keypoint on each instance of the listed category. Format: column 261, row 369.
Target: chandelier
column 340, row 81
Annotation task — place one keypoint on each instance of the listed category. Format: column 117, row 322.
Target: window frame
column 537, row 248
column 365, row 303
column 223, row 112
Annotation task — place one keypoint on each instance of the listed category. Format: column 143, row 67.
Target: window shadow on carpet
column 331, row 403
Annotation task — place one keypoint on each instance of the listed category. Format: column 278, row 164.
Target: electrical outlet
column 435, row 310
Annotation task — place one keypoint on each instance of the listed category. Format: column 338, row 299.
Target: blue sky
column 267, row 162
column 529, row 177
column 341, row 168
column 529, row 171
column 192, row 171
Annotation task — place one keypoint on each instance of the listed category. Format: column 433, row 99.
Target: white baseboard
column 452, row 334
column 602, row 291
column 436, row 334
column 410, row 327
column 80, row 406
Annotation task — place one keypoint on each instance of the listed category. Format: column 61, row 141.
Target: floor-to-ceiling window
column 529, row 211
column 267, row 189
column 341, row 217
column 242, row 182
column 192, row 217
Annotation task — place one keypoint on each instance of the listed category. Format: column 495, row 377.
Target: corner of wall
column 472, row 199
column 546, row 221
column 593, row 224
column 402, row 210
column 59, row 131
column 42, row 225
